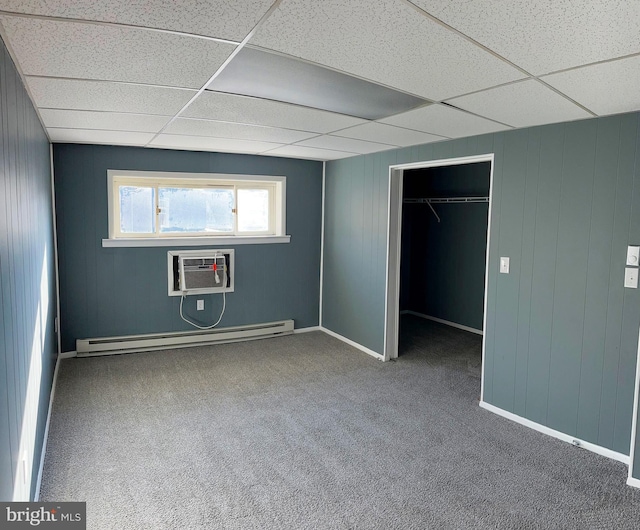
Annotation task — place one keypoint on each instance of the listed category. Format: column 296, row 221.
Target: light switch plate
column 631, row 278
column 504, row 265
column 633, row 255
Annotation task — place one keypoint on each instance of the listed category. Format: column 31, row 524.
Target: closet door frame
column 394, row 246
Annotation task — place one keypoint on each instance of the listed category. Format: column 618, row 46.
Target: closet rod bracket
column 434, row 212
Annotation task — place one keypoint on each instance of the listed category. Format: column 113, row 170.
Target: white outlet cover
column 633, row 255
column 631, row 278
column 504, row 265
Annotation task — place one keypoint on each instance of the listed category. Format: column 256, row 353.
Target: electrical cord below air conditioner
column 224, row 305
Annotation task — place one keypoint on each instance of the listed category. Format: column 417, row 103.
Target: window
column 150, row 205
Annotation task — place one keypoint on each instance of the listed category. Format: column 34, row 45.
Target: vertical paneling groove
column 611, row 348
column 6, row 344
column 598, row 264
column 571, row 275
column 27, row 290
column 507, row 293
column 561, row 330
column 370, row 206
column 631, row 298
column 356, row 230
column 526, row 277
column 587, row 307
column 549, row 389
column 492, row 283
column 615, row 330
column 13, row 346
column 543, row 271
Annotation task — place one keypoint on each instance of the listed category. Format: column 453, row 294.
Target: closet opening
column 437, row 261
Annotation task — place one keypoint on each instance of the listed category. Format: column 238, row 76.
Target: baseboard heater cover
column 165, row 341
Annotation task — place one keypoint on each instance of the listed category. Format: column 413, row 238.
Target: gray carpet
column 306, row 432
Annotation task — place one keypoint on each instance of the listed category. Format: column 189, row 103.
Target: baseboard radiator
column 165, row 341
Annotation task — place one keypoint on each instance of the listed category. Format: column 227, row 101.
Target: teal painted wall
column 27, row 281
column 443, row 263
column 562, row 332
column 122, row 291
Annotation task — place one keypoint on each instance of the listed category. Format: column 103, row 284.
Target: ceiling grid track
column 235, row 52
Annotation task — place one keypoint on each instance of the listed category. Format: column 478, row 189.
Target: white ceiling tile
column 113, row 97
column 337, row 143
column 444, row 121
column 89, row 51
column 203, row 143
column 521, row 105
column 110, row 121
column 606, row 88
column 388, row 42
column 544, row 36
column 81, row 136
column 253, row 111
column 309, row 153
column 239, row 131
column 214, row 18
column 387, row 134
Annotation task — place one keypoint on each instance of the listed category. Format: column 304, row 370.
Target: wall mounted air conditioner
column 202, row 271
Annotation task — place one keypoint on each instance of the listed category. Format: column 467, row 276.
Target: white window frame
column 277, row 218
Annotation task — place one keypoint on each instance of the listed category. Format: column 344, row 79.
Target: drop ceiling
column 318, row 80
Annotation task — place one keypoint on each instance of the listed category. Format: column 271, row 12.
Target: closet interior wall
column 443, row 260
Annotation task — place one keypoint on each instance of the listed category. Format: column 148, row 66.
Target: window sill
column 193, row 241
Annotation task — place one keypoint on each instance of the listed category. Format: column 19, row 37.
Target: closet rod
column 445, row 200
column 441, row 200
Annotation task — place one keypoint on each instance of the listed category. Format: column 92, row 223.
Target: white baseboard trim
column 635, row 482
column 45, row 437
column 307, row 330
column 442, row 321
column 556, row 434
column 68, row 355
column 352, row 343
